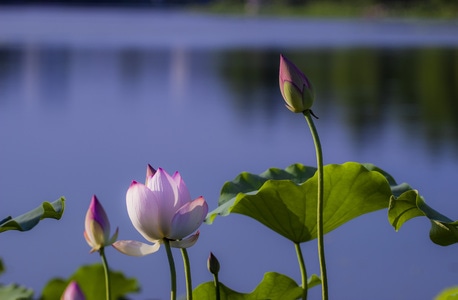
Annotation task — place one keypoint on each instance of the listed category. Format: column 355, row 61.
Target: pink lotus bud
column 73, row 292
column 295, row 88
column 97, row 226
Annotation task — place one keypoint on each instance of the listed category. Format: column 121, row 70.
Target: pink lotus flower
column 162, row 209
column 295, row 88
column 97, row 226
column 73, row 292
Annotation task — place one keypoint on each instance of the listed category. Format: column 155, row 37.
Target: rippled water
column 88, row 98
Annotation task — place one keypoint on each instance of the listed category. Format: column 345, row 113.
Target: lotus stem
column 216, row 281
column 187, row 272
column 320, row 230
column 300, row 258
column 173, row 275
column 107, row 273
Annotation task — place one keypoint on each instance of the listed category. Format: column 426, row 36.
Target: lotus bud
column 73, row 292
column 97, row 226
column 295, row 88
column 213, row 264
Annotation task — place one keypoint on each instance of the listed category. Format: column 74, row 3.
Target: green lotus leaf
column 444, row 231
column 403, row 208
column 289, row 208
column 396, row 189
column 14, row 292
column 247, row 182
column 273, row 286
column 91, row 280
column 448, row 294
column 27, row 221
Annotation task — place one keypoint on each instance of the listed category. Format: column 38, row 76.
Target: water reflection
column 368, row 87
column 371, row 86
column 88, row 121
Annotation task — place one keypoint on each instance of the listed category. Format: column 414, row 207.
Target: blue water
column 89, row 98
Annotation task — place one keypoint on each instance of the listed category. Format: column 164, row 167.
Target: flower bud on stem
column 213, row 267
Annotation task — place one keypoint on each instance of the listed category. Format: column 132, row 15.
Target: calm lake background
column 89, row 97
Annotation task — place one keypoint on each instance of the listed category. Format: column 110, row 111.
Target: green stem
column 107, row 273
column 187, row 272
column 173, row 275
column 216, row 281
column 300, row 258
column 320, row 232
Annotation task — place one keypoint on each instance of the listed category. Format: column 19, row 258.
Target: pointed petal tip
column 150, row 171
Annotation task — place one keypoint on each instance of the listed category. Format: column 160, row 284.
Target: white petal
column 183, row 193
column 163, row 183
column 185, row 243
column 143, row 211
column 188, row 218
column 135, row 248
column 166, row 192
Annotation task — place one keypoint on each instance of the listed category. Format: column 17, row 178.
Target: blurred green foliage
column 337, row 8
column 413, row 87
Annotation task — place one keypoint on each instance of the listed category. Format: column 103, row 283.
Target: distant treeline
column 153, row 3
column 165, row 3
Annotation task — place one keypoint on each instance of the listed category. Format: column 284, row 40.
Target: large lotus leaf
column 273, row 286
column 27, row 221
column 444, row 231
column 14, row 292
column 403, row 208
column 91, row 279
column 396, row 189
column 247, row 182
column 448, row 294
column 288, row 208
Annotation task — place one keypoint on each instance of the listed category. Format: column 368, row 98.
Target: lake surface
column 89, row 97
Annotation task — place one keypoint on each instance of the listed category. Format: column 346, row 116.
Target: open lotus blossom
column 97, row 227
column 162, row 209
column 295, row 88
column 73, row 292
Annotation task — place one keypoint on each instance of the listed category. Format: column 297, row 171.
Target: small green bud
column 212, row 264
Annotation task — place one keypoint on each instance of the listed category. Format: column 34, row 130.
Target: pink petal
column 185, row 243
column 183, row 193
column 134, row 248
column 290, row 72
column 188, row 218
column 143, row 210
